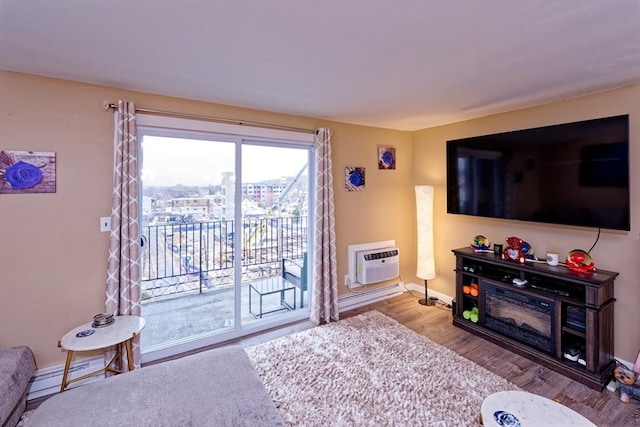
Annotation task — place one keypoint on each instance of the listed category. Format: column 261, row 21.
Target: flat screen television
column 570, row 174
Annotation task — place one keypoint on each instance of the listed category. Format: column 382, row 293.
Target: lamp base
column 427, row 301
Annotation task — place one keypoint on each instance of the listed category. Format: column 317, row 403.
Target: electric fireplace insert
column 524, row 318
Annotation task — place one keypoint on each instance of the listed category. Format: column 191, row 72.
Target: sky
column 171, row 161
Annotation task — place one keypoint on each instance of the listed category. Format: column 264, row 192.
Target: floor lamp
column 426, row 265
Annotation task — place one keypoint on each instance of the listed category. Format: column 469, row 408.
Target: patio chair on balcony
column 295, row 271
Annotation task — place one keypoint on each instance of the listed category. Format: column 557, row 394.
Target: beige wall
column 615, row 251
column 53, row 258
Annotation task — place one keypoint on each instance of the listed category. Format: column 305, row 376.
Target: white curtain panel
column 123, row 267
column 324, row 301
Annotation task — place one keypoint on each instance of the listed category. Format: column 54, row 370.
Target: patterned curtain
column 324, row 303
column 123, row 268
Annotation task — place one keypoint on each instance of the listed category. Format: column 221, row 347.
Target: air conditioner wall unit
column 377, row 265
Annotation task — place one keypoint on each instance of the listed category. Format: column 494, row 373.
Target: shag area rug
column 370, row 370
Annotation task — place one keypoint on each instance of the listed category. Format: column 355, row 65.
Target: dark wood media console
column 555, row 310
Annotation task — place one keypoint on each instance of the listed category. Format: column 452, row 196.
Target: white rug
column 370, row 370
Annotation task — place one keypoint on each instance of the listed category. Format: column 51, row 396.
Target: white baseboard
column 628, row 364
column 364, row 296
column 435, row 294
column 48, row 380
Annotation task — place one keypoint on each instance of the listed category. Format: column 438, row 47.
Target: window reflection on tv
column 605, row 165
column 570, row 174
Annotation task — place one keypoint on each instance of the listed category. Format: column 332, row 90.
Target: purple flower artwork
column 354, row 178
column 27, row 172
column 22, row 175
column 386, row 158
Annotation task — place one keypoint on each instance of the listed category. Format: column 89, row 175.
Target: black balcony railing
column 198, row 256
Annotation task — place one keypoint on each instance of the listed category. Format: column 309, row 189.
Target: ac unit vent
column 377, row 265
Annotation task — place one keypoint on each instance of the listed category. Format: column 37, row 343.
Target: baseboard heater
column 47, row 381
column 357, row 299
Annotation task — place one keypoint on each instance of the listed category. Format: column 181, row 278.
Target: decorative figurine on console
column 628, row 380
column 514, row 250
column 528, row 251
column 579, row 260
column 481, row 244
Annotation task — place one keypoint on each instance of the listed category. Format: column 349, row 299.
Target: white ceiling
column 395, row 64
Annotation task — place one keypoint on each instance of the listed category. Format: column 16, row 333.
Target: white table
column 522, row 409
column 86, row 338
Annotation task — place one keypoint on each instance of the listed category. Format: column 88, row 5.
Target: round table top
column 522, row 409
column 86, row 337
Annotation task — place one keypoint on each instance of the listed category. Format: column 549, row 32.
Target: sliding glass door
column 223, row 217
column 275, row 212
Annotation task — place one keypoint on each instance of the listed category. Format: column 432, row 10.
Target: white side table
column 522, row 409
column 85, row 338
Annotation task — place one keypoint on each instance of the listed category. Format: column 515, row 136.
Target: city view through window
column 188, row 220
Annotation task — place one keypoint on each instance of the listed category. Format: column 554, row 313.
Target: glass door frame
column 195, row 129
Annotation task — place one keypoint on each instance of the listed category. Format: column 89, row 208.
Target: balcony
column 187, row 285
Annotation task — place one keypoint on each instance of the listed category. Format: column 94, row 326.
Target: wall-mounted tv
column 571, row 174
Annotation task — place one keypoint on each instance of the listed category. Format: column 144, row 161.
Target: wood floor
column 602, row 408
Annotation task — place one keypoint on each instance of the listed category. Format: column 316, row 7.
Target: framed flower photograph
column 354, row 178
column 27, row 172
column 386, row 157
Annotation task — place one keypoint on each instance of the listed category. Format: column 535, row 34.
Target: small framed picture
column 386, row 157
column 27, row 172
column 354, row 178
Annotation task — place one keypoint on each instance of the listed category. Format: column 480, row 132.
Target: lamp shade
column 424, row 204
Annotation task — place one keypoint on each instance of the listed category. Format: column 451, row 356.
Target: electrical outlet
column 346, row 280
column 105, row 224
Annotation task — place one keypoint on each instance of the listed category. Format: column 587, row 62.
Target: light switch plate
column 105, row 224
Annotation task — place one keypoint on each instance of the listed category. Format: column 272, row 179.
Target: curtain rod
column 107, row 105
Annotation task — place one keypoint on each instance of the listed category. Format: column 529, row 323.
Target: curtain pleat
column 123, row 266
column 324, row 303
